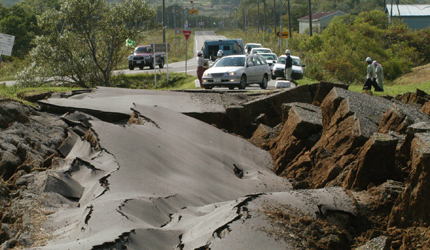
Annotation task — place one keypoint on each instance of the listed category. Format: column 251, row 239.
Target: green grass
column 393, row 90
column 147, row 81
column 17, row 92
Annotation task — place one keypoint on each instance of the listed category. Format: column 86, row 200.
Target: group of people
column 374, row 77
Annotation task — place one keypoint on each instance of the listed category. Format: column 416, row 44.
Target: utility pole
column 310, row 19
column 258, row 16
column 274, row 16
column 290, row 34
column 164, row 21
column 244, row 18
column 235, row 20
column 280, row 28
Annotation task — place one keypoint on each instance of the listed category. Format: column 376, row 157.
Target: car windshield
column 269, row 57
column 255, row 46
column 143, row 50
column 261, row 50
column 231, row 62
column 296, row 61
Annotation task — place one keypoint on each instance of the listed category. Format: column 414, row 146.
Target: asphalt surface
column 168, row 182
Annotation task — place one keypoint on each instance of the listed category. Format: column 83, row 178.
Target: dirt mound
column 418, row 75
column 361, row 143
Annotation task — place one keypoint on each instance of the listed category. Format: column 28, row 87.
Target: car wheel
column 273, row 77
column 230, row 87
column 140, row 66
column 161, row 65
column 263, row 84
column 242, row 84
column 207, row 87
column 130, row 67
column 151, row 66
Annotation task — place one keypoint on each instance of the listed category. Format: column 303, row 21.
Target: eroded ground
column 315, row 167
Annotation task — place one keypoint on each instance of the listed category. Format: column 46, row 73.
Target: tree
column 84, row 41
column 21, row 23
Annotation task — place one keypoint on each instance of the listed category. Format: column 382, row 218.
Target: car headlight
column 130, row 58
column 206, row 74
column 146, row 57
column 230, row 74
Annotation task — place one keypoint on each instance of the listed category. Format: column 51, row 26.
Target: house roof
column 408, row 9
column 320, row 15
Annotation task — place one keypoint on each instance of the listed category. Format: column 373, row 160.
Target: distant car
column 260, row 50
column 237, row 71
column 270, row 58
column 249, row 46
column 142, row 56
column 279, row 67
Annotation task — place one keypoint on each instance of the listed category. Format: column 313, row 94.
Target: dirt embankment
column 378, row 148
column 319, row 136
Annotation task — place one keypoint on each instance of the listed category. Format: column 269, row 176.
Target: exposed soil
column 418, row 75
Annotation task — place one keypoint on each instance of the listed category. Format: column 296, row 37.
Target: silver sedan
column 237, row 71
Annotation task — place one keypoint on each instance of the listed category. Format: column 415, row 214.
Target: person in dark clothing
column 289, row 67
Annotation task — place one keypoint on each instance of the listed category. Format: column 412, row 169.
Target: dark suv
column 142, row 56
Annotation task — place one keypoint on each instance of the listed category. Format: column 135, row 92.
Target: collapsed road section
column 133, row 170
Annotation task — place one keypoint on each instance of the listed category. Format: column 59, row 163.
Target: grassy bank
column 18, row 93
column 147, row 81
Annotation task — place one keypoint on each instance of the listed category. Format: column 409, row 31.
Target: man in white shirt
column 200, row 63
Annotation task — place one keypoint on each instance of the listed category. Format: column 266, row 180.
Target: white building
column 320, row 21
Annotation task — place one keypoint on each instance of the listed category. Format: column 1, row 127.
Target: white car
column 249, row 46
column 270, row 58
column 279, row 67
column 260, row 50
column 237, row 71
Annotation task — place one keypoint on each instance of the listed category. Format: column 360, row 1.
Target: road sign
column 161, row 47
column 6, row 44
column 284, row 34
column 194, row 11
column 178, row 31
column 187, row 33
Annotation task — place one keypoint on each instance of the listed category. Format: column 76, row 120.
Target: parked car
column 249, row 46
column 279, row 67
column 260, row 50
column 237, row 71
column 270, row 58
column 142, row 56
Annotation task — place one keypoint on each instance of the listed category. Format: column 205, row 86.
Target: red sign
column 187, row 33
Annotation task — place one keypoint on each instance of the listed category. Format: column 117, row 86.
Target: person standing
column 369, row 77
column 200, row 63
column 289, row 67
column 379, row 73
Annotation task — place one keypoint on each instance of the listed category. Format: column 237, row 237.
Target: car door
column 261, row 66
column 250, row 69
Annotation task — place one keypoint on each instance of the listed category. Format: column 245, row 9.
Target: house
column 320, row 21
column 416, row 16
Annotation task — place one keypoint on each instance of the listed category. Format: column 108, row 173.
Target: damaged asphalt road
column 164, row 180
